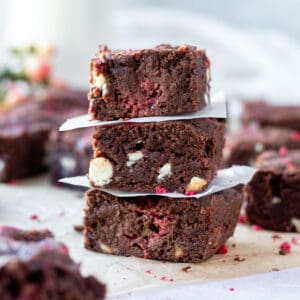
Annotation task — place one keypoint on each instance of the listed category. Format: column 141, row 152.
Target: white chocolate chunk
column 164, row 171
column 134, row 157
column 195, row 184
column 100, row 171
column 178, row 251
column 2, row 167
column 275, row 200
column 106, row 248
column 68, row 163
column 296, row 223
column 258, row 147
column 100, row 82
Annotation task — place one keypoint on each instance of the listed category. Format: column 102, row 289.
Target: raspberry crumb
column 283, row 151
column 231, row 289
column 160, row 190
column 223, row 250
column 256, row 227
column 148, row 271
column 242, row 219
column 186, row 269
column 190, row 193
column 294, row 240
column 285, row 248
column 34, row 217
column 295, row 136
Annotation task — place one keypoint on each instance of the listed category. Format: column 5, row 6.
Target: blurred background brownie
column 273, row 194
column 180, row 156
column 164, row 80
column 35, row 266
column 154, row 227
column 266, row 114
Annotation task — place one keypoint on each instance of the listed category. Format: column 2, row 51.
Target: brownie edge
column 154, row 227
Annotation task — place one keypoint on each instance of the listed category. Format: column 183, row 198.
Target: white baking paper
column 216, row 109
column 225, row 179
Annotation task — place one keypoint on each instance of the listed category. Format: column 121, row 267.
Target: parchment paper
column 59, row 209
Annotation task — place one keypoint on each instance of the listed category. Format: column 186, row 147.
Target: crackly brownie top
column 104, row 53
column 24, row 245
column 281, row 161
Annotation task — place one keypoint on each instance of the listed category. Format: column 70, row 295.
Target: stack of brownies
column 155, row 157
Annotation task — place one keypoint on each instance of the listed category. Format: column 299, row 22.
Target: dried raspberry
column 242, row 219
column 283, row 151
column 223, row 250
column 294, row 240
column 190, row 193
column 256, row 227
column 160, row 190
column 295, row 136
column 206, row 62
column 148, row 272
column 34, row 217
column 231, row 289
column 285, row 248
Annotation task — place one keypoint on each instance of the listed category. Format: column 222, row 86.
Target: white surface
column 216, row 109
column 225, row 179
column 59, row 209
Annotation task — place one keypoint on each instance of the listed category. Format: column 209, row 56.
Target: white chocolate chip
column 178, row 251
column 100, row 82
column 2, row 167
column 100, row 171
column 106, row 248
column 275, row 200
column 195, row 184
column 258, row 147
column 164, row 171
column 68, row 163
column 133, row 158
column 296, row 223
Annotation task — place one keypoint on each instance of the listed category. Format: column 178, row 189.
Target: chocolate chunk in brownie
column 243, row 148
column 272, row 115
column 71, row 153
column 154, row 227
column 35, row 266
column 163, row 80
column 180, row 156
column 273, row 194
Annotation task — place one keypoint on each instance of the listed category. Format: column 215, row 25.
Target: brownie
column 271, row 115
column 273, row 194
column 242, row 148
column 71, row 153
column 34, row 266
column 164, row 80
column 154, row 227
column 25, row 130
column 180, row 156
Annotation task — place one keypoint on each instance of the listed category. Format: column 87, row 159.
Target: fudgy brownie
column 243, row 148
column 273, row 194
column 180, row 156
column 172, row 229
column 271, row 115
column 25, row 130
column 164, row 80
column 34, row 266
column 71, row 153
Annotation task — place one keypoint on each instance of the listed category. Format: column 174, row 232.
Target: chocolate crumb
column 78, row 228
column 186, row 269
column 276, row 236
column 275, row 269
column 239, row 259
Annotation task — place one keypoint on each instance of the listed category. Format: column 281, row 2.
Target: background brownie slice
column 273, row 194
column 34, row 266
column 242, row 148
column 71, row 153
column 163, row 80
column 178, row 156
column 271, row 115
column 172, row 229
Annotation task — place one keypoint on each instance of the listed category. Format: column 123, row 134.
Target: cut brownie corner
column 154, row 227
column 35, row 266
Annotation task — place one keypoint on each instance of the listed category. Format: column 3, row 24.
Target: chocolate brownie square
column 71, row 153
column 180, row 156
column 154, row 227
column 273, row 194
column 271, row 115
column 242, row 148
column 34, row 266
column 164, row 80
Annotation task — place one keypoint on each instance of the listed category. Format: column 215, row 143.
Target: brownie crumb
column 276, row 237
column 186, row 269
column 78, row 228
column 239, row 259
column 275, row 269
